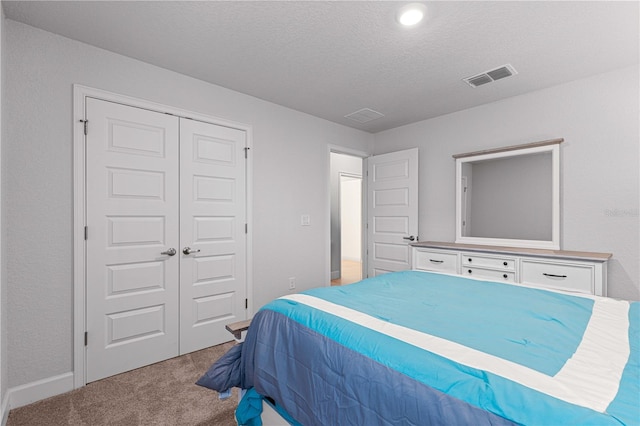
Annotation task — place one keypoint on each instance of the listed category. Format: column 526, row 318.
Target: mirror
column 510, row 196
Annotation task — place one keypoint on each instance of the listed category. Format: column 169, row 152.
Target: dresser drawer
column 489, row 274
column 499, row 263
column 434, row 260
column 558, row 275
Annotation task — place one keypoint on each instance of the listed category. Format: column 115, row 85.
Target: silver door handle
column 170, row 252
column 411, row 238
column 189, row 250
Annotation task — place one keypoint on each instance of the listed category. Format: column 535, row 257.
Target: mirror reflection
column 510, row 196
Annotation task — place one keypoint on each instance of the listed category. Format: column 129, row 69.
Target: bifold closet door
column 132, row 177
column 212, row 232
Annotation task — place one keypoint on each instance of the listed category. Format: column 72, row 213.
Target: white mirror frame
column 552, row 146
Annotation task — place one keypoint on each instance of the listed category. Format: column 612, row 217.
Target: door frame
column 355, row 153
column 464, row 207
column 80, row 93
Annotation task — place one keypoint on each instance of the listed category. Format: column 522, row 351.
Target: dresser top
column 560, row 254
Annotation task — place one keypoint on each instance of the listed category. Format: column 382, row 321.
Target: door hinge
column 86, row 126
column 246, row 152
column 86, row 232
column 246, row 303
column 86, row 338
column 246, row 228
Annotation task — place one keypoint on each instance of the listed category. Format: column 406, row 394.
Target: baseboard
column 40, row 389
column 4, row 410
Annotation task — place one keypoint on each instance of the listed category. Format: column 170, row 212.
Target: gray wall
column 290, row 178
column 597, row 117
column 511, row 198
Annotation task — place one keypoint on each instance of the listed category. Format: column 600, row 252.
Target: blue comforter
column 420, row 348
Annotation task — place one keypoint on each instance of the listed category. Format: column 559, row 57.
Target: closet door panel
column 212, row 232
column 132, row 218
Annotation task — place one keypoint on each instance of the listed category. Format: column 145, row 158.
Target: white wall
column 290, row 178
column 351, row 218
column 597, row 117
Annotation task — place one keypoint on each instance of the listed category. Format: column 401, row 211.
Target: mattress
column 417, row 348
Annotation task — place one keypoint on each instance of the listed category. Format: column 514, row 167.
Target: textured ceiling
column 330, row 59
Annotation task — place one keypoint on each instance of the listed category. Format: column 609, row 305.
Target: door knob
column 170, row 252
column 189, row 250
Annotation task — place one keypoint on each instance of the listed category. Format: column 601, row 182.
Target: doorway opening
column 346, row 218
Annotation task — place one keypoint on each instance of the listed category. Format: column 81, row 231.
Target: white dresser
column 581, row 272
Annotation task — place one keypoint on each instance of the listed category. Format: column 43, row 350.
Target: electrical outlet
column 292, row 283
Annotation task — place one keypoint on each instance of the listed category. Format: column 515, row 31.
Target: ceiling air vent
column 364, row 115
column 490, row 76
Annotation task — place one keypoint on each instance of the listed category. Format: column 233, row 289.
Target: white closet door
column 212, row 232
column 132, row 218
column 392, row 215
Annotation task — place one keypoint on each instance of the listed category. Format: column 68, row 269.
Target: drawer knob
column 505, row 263
column 553, row 275
column 505, row 276
column 470, row 260
column 469, row 271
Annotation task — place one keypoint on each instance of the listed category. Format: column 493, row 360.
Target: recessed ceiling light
column 411, row 14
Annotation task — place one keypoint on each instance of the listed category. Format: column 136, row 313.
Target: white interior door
column 212, row 232
column 132, row 221
column 392, row 214
column 166, row 241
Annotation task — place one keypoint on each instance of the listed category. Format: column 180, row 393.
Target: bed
column 417, row 348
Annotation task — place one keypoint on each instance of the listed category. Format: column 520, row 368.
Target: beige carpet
column 161, row 394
